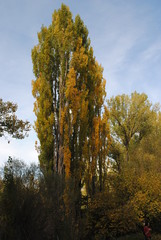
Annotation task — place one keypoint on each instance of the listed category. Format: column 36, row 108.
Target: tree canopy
column 131, row 118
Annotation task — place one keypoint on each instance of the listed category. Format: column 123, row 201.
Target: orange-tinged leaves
column 84, row 110
column 72, row 94
column 62, row 121
column 71, row 84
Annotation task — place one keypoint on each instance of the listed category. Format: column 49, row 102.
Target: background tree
column 131, row 119
column 132, row 185
column 9, row 123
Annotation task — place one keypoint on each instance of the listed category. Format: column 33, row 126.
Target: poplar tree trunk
column 60, row 134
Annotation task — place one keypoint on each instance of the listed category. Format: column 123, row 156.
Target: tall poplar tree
column 69, row 93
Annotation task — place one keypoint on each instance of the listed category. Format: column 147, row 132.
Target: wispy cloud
column 153, row 52
column 130, row 49
column 19, row 149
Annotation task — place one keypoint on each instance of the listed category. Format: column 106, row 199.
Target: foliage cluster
column 9, row 122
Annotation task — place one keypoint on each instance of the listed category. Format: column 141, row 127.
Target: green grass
column 139, row 236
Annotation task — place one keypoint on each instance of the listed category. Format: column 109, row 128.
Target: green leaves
column 131, row 118
column 9, row 123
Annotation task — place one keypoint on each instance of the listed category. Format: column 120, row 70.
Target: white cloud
column 19, row 149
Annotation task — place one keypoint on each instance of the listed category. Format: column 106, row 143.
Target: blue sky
column 126, row 38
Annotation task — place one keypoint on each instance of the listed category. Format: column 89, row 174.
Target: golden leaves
column 72, row 95
column 80, row 58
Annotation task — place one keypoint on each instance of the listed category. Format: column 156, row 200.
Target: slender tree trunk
column 56, row 119
column 100, row 170
column 60, row 134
